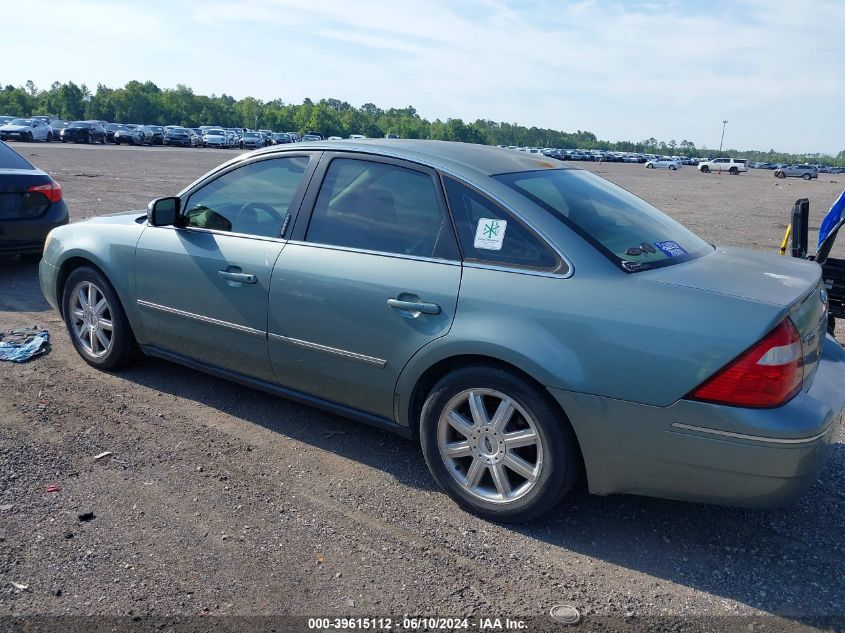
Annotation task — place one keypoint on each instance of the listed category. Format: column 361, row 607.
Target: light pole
column 724, row 123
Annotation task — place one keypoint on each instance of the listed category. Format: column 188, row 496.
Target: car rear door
column 371, row 276
column 202, row 287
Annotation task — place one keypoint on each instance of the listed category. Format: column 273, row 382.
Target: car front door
column 371, row 276
column 202, row 286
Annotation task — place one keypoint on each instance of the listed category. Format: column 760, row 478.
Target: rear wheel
column 806, row 176
column 672, row 167
column 705, row 169
column 49, row 137
column 780, row 174
column 496, row 445
column 733, row 171
column 95, row 320
column 650, row 166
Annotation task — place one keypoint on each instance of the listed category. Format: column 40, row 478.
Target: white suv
column 733, row 166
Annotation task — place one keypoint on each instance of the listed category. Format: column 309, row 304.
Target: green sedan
column 527, row 322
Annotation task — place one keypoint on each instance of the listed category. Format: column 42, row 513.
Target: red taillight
column 767, row 375
column 52, row 190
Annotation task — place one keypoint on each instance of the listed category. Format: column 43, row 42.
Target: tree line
column 138, row 102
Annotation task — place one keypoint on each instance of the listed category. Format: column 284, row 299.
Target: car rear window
column 10, row 159
column 627, row 230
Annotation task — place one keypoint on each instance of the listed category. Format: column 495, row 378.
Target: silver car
column 807, row 172
column 26, row 130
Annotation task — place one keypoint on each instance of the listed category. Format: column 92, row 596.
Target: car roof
column 449, row 155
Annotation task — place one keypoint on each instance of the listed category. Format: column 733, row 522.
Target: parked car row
column 820, row 169
column 47, row 128
column 599, row 156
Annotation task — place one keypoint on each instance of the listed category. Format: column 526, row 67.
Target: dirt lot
column 221, row 500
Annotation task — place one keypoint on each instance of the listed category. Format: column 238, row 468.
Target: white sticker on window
column 490, row 234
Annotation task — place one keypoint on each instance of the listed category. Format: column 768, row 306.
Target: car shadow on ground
column 784, row 561
column 21, row 291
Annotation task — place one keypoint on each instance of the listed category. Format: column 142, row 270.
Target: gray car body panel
column 617, row 351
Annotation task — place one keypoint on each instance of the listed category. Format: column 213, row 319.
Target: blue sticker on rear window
column 671, row 249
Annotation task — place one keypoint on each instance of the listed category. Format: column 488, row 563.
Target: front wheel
column 733, row 171
column 672, row 167
column 95, row 320
column 496, row 444
column 49, row 137
column 806, row 176
column 649, row 166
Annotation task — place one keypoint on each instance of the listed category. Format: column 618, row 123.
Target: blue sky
column 623, row 70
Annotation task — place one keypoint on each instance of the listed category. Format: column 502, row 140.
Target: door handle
column 414, row 306
column 243, row 278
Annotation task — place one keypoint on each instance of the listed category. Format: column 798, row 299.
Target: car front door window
column 251, row 200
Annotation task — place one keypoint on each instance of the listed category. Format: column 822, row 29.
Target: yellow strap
column 785, row 240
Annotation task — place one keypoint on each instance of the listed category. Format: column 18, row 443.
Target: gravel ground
column 221, row 500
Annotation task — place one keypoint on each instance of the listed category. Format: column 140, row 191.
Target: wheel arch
column 66, row 268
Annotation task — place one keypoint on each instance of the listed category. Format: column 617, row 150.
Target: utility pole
column 724, row 123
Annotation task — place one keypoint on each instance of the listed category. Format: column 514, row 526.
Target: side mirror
column 163, row 211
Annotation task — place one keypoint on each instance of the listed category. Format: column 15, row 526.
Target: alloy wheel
column 490, row 444
column 91, row 319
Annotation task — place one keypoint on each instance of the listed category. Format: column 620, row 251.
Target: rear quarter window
column 10, row 159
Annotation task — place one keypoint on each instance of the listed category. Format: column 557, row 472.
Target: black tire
column 733, row 171
column 28, row 137
column 649, row 166
column 123, row 348
column 672, row 167
column 780, row 174
column 49, row 137
column 806, row 176
column 561, row 462
column 64, row 140
column 705, row 170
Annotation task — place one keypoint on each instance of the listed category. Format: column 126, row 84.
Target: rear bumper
column 27, row 235
column 702, row 452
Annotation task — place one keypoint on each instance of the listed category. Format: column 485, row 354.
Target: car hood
column 121, row 217
column 742, row 273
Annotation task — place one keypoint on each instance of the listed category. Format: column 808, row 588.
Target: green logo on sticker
column 491, row 230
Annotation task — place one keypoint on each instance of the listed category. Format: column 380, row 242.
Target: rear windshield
column 10, row 159
column 627, row 230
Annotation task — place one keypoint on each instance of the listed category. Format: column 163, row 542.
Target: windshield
column 627, row 230
column 215, row 132
column 80, row 124
column 177, row 130
column 21, row 122
column 114, row 126
column 251, row 135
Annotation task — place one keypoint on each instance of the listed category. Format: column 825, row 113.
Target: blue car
column 525, row 321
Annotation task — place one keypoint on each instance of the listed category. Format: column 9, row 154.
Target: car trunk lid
column 16, row 201
column 795, row 285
